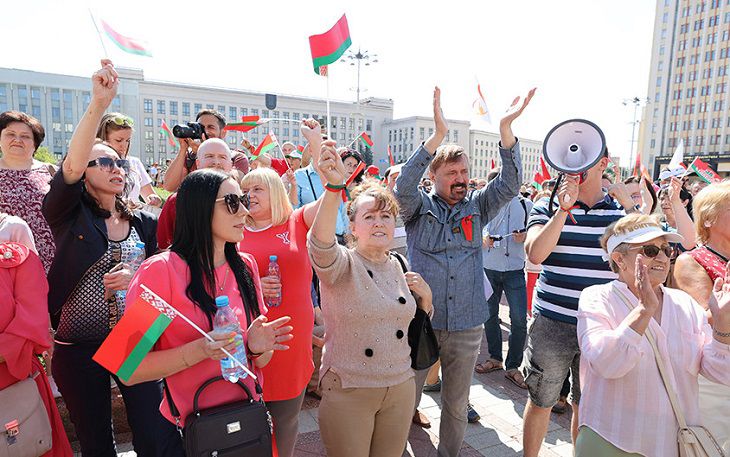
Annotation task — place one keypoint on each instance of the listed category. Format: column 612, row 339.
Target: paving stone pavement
column 499, row 432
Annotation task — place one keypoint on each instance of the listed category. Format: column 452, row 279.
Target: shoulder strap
column 662, row 369
column 401, row 261
column 311, row 186
column 524, row 209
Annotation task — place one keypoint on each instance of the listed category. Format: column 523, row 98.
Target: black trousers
column 86, row 389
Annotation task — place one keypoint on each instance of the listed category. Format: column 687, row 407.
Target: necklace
column 225, row 278
column 722, row 257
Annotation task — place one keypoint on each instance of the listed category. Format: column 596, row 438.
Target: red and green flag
column 365, row 138
column 269, row 142
column 329, row 46
column 704, row 171
column 126, row 44
column 390, row 157
column 537, row 180
column 247, row 123
column 168, row 133
column 545, row 172
column 134, row 335
column 300, row 148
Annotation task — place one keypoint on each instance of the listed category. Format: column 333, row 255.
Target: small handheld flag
column 329, row 46
column 126, row 44
column 168, row 133
column 480, row 106
column 267, row 144
column 365, row 138
column 704, row 171
column 247, row 123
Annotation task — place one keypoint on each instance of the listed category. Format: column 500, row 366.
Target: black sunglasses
column 652, row 251
column 234, row 202
column 107, row 164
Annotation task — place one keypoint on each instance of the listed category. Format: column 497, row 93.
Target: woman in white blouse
column 625, row 408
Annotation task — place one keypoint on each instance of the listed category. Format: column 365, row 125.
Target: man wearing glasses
column 213, row 153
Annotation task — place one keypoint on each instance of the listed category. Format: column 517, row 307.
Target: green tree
column 44, row 155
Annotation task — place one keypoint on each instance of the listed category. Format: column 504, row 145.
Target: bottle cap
column 272, row 258
column 140, row 245
column 221, row 301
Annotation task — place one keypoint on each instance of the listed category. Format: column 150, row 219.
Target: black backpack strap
column 171, row 404
column 401, row 261
column 524, row 210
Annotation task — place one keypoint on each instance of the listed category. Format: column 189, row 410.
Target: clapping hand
column 647, row 296
column 515, row 110
column 440, row 124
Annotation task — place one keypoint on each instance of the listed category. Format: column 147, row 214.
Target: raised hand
column 440, row 124
column 266, row 336
column 104, row 84
column 311, row 130
column 620, row 193
column 647, row 296
column 330, row 164
column 568, row 191
column 515, row 109
column 674, row 191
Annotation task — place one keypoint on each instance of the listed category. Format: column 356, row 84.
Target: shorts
column 552, row 353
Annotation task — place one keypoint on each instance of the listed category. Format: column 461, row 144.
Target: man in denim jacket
column 444, row 230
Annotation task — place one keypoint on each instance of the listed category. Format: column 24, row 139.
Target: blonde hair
column 281, row 207
column 448, row 153
column 707, row 205
column 626, row 224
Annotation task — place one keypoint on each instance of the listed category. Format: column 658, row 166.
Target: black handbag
column 240, row 428
column 421, row 338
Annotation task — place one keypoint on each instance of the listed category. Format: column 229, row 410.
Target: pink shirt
column 167, row 275
column 623, row 397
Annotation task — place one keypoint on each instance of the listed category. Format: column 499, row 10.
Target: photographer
column 211, row 125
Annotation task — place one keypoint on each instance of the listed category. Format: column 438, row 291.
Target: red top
column 166, row 222
column 713, row 265
column 279, row 165
column 288, row 372
column 168, row 275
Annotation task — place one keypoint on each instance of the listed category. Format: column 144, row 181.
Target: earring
column 708, row 224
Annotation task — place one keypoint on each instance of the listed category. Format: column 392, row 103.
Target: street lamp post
column 637, row 102
column 361, row 57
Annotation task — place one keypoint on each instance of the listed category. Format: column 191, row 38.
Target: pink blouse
column 623, row 397
column 168, row 275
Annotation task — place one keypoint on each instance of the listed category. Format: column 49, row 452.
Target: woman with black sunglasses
column 618, row 367
column 95, row 232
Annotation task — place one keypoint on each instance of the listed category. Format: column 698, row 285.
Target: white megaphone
column 572, row 147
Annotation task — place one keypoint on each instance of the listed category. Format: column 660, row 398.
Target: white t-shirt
column 139, row 178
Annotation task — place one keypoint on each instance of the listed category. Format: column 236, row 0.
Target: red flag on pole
column 545, row 173
column 704, row 171
column 492, row 166
column 637, row 165
column 328, row 47
column 390, row 157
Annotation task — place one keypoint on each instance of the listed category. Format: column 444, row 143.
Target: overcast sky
column 584, row 56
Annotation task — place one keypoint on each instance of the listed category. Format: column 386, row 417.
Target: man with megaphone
column 444, row 228
column 563, row 234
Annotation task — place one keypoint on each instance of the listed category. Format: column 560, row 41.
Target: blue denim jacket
column 437, row 246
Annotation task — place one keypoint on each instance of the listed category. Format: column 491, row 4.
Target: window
column 285, row 114
column 159, row 122
column 160, row 107
column 232, row 114
column 720, row 88
column 699, row 141
column 659, row 81
column 197, row 108
column 147, row 105
column 295, row 116
column 677, row 79
column 148, row 135
column 701, row 108
column 692, row 75
column 422, row 133
column 701, row 123
column 148, row 122
column 286, row 132
column 719, row 105
column 186, row 109
column 209, row 106
column 680, row 62
column 715, row 123
column 343, row 121
column 705, row 90
column 221, row 109
column 264, row 113
column 148, row 148
column 351, row 123
column 369, row 125
column 173, row 108
column 244, row 111
column 683, row 28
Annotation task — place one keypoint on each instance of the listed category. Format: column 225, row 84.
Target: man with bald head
column 212, row 153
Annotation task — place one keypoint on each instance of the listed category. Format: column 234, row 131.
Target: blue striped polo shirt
column 576, row 262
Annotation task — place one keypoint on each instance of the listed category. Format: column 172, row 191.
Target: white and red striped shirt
column 623, row 397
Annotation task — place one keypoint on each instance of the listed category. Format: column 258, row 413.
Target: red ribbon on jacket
column 467, row 225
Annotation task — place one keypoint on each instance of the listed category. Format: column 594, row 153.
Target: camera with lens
column 192, row 130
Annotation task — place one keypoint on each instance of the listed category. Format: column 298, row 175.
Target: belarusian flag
column 390, row 157
column 545, row 173
column 247, row 123
column 126, row 44
column 300, row 148
column 537, row 180
column 168, row 133
column 266, row 145
column 704, row 171
column 329, row 46
column 365, row 138
column 134, row 335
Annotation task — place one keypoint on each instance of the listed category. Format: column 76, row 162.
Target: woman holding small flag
column 272, row 227
column 94, row 229
column 368, row 388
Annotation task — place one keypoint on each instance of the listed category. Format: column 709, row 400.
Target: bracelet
column 334, row 187
column 721, row 334
column 253, row 355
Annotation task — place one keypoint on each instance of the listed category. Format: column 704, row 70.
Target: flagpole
column 201, row 331
column 101, row 40
column 329, row 134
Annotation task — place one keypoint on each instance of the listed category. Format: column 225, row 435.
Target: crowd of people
column 618, row 290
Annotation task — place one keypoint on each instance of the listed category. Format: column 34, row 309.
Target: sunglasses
column 122, row 121
column 107, row 164
column 652, row 251
column 234, row 202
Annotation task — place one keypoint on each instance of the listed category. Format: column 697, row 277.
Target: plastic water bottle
column 134, row 260
column 274, row 271
column 225, row 320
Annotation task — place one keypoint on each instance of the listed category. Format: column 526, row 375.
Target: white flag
column 677, row 157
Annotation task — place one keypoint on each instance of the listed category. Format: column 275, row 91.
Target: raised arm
column 685, row 226
column 176, row 172
column 104, row 88
column 312, row 132
column 406, row 184
column 544, row 229
column 506, row 137
column 332, row 169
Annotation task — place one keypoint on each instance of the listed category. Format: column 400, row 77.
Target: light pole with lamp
column 637, row 102
column 361, row 57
